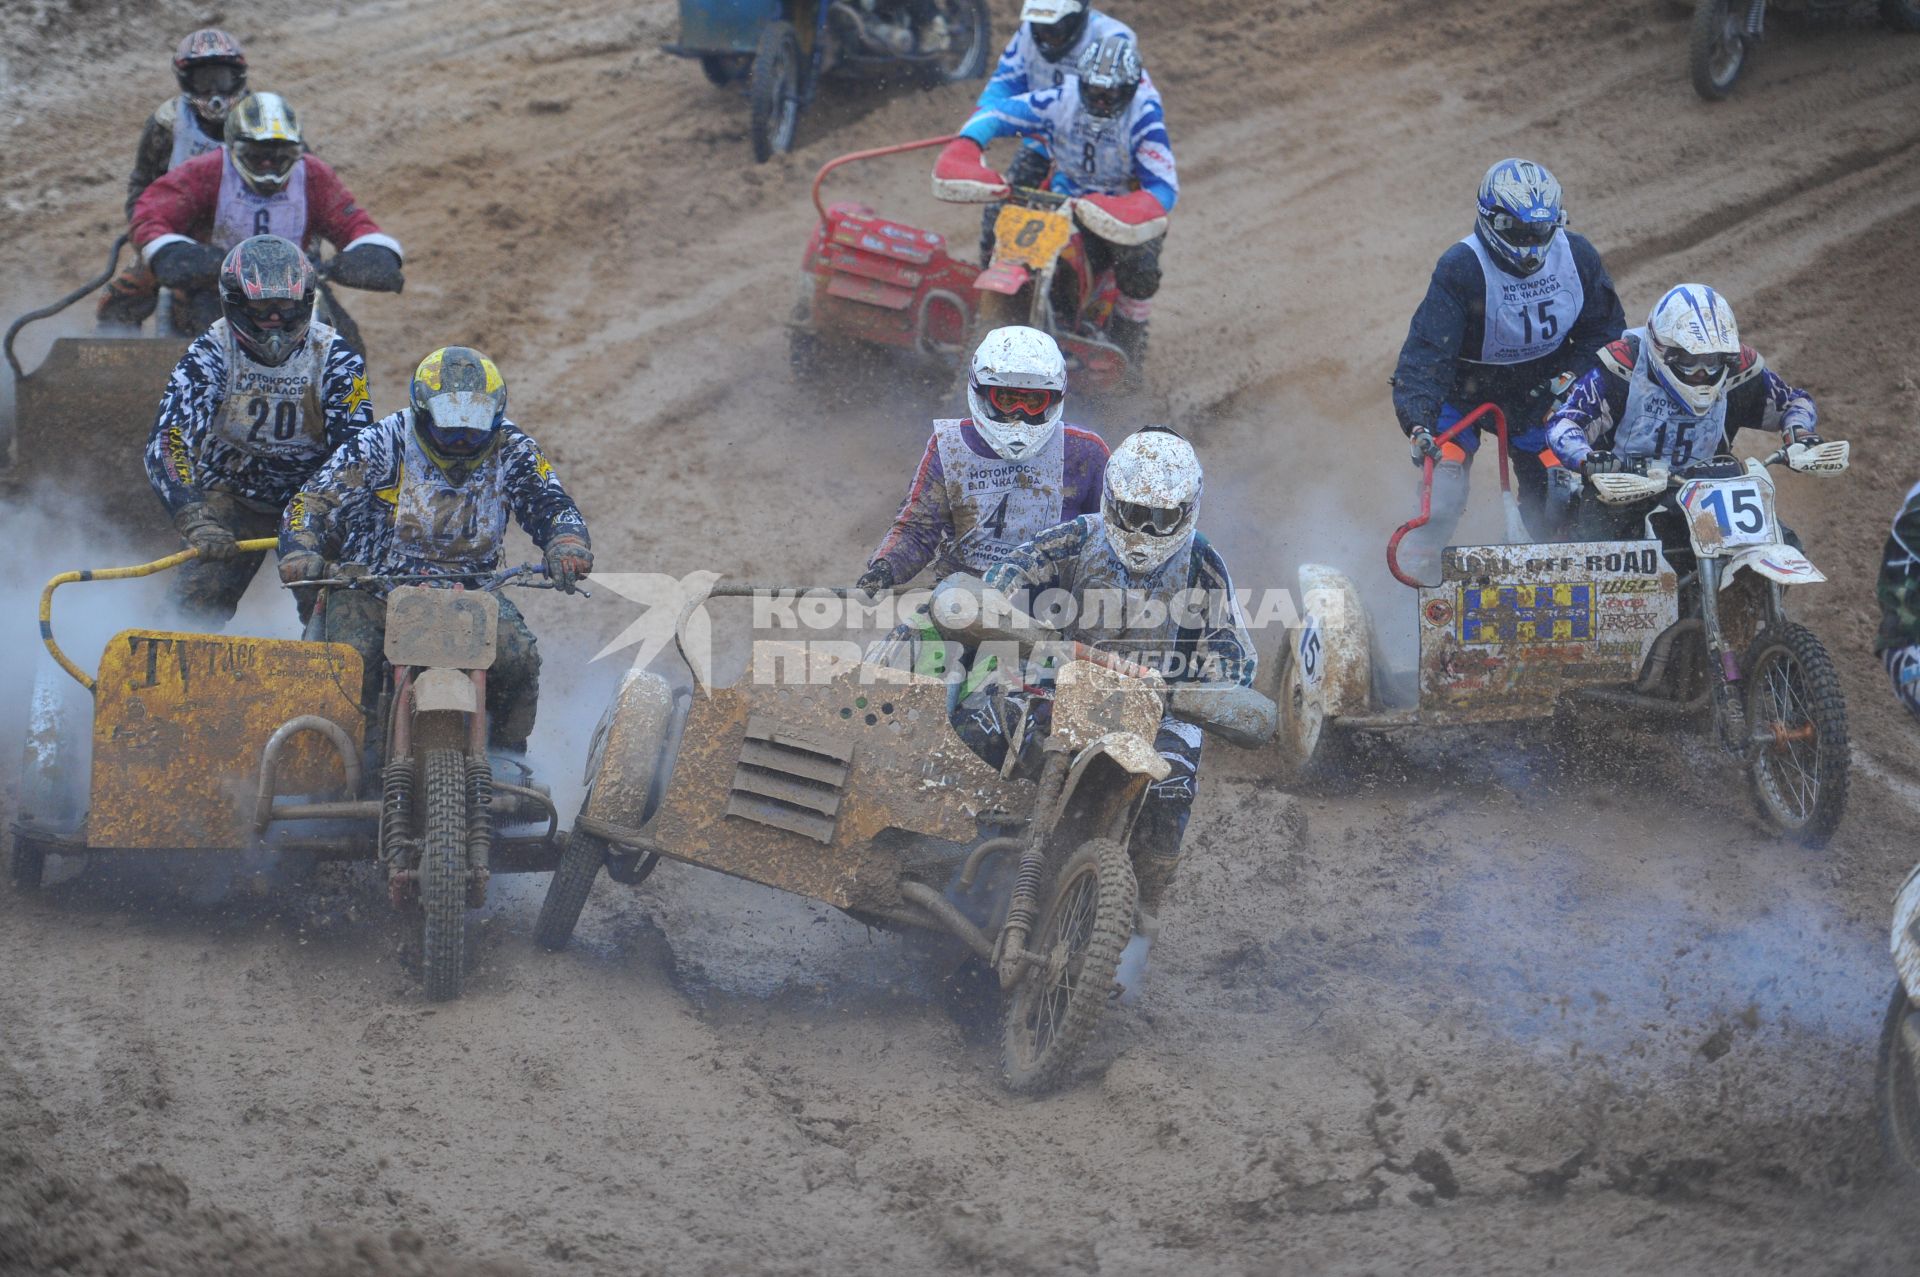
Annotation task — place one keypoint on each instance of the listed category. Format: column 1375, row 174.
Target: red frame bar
column 1426, row 485
column 874, row 154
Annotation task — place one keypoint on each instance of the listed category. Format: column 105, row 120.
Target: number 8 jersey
column 228, row 423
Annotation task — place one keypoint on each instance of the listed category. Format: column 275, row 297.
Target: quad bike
column 211, row 742
column 852, row 788
column 781, row 49
column 870, row 282
column 1688, row 623
column 1726, row 32
column 80, row 420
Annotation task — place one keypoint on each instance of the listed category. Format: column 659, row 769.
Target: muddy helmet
column 266, row 293
column 1109, row 76
column 1696, row 345
column 1016, row 389
column 263, row 137
column 1519, row 212
column 1150, row 498
column 211, row 69
column 459, row 403
column 1055, row 25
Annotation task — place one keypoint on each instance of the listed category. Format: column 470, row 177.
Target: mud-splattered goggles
column 1149, row 520
column 214, row 77
column 1020, row 403
column 279, row 312
column 267, row 159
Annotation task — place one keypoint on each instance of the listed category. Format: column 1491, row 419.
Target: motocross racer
column 1045, row 49
column 1898, row 589
column 186, row 220
column 1145, row 585
column 211, row 69
column 252, row 409
column 1108, row 142
column 427, row 491
column 1675, row 391
column 1514, row 306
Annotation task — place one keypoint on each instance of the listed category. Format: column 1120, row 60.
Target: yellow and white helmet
column 459, row 402
column 263, row 137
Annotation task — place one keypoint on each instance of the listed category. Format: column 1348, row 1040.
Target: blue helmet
column 1519, row 213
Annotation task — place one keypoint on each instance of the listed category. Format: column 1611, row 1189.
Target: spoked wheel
column 1056, row 1007
column 1798, row 718
column 443, row 876
column 1897, row 1087
column 1717, row 50
column 567, row 893
column 968, row 35
column 773, row 91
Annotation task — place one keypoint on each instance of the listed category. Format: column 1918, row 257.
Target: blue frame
column 726, row 26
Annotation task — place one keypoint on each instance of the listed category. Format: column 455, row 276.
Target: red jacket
column 180, row 205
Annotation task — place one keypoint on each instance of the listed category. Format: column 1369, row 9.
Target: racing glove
column 568, row 559
column 349, row 571
column 1420, row 445
column 1601, row 461
column 182, row 265
column 374, row 267
column 203, row 530
column 961, row 163
column 1135, row 208
column 301, row 565
column 876, row 580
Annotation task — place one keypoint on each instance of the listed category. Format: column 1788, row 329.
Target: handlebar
column 490, row 584
column 1426, row 487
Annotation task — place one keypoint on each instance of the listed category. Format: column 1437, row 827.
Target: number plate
column 1031, row 236
column 1728, row 512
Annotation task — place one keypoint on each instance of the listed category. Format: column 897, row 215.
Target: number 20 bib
column 1528, row 315
column 274, row 412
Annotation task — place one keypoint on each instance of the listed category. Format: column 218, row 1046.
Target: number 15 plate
column 1724, row 512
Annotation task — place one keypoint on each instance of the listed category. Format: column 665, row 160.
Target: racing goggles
column 273, row 160
column 1106, row 100
column 1149, row 520
column 279, row 312
column 462, row 423
column 1697, row 370
column 1030, row 404
column 214, row 77
column 1523, row 234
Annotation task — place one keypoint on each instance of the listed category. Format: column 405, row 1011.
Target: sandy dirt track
column 1490, row 1009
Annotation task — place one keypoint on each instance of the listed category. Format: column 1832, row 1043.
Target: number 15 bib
column 1528, row 316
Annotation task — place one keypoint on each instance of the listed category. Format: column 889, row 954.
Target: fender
column 628, row 761
column 1777, row 562
column 1128, row 751
column 1113, row 230
column 1331, row 606
column 444, row 689
column 1003, row 277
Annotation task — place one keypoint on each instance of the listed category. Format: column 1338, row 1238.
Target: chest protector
column 274, row 412
column 997, row 504
column 240, row 213
column 188, row 139
column 1093, row 154
column 1127, row 613
column 1528, row 317
column 1655, row 424
column 456, row 527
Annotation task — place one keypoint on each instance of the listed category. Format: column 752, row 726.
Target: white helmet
column 1016, row 390
column 1151, row 497
column 1696, row 344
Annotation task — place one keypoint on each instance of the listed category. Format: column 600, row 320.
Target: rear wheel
column 567, row 893
column 1056, row 1007
column 969, row 30
column 773, row 91
column 1897, row 1087
column 1717, row 49
column 443, row 876
column 1901, row 15
column 1798, row 718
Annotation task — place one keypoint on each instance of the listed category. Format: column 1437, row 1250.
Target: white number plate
column 1728, row 512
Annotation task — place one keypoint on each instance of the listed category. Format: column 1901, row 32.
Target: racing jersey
column 174, row 134
column 1898, row 588
column 204, row 201
column 1023, row 68
column 1454, row 355
column 231, row 424
column 1615, row 403
column 1181, row 618
column 968, row 507
column 383, row 502
column 1091, row 154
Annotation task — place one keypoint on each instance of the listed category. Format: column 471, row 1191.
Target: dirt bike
column 1687, row 621
column 782, row 49
column 1726, row 32
column 209, row 743
column 852, row 788
column 872, row 282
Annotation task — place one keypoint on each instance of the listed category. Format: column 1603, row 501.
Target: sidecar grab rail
column 1426, row 488
column 874, row 154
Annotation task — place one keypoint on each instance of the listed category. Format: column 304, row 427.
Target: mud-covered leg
column 1420, row 552
column 359, row 620
column 513, row 684
column 131, row 296
column 208, row 591
column 1155, row 845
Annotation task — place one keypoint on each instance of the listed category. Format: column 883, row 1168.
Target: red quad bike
column 869, row 283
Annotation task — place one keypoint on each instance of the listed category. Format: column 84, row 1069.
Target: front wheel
column 567, row 893
column 1901, row 15
column 773, row 91
column 443, row 876
column 1896, row 1087
column 1056, row 1006
column 1717, row 49
column 1798, row 719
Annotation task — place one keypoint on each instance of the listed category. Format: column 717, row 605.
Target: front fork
column 1010, row 957
column 1728, row 712
column 399, row 849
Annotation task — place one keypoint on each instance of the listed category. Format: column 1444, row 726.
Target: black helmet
column 459, row 403
column 1055, row 24
column 266, row 293
column 1109, row 74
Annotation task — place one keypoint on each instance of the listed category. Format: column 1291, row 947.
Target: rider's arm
column 1009, row 79
column 177, row 207
column 1086, row 472
column 1764, row 401
column 540, row 504
column 1021, row 116
column 343, row 492
column 151, row 155
column 925, row 519
column 1585, row 415
column 192, row 397
column 1424, row 375
column 1035, row 565
column 335, row 216
column 1153, row 152
column 346, row 403
column 1898, row 586
column 1602, row 319
column 1220, row 647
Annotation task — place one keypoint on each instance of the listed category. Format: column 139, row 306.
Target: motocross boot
column 1130, row 335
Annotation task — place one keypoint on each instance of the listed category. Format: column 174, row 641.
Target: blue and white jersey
column 1023, row 68
column 1091, row 155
